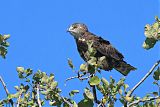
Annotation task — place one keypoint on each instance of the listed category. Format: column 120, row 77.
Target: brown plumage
column 112, row 58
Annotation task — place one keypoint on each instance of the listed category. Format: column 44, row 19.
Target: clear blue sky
column 39, row 39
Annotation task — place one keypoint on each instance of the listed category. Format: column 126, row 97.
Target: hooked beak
column 70, row 29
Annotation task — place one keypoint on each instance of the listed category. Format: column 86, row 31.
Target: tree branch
column 142, row 80
column 6, row 90
column 70, row 105
column 101, row 105
column 38, row 97
column 18, row 100
column 142, row 100
column 94, row 93
column 4, row 86
column 79, row 77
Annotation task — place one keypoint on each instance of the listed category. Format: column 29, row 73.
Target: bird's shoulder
column 97, row 40
column 90, row 36
column 104, row 46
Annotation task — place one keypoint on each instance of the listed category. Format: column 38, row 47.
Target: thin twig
column 38, row 98
column 18, row 101
column 142, row 80
column 142, row 100
column 101, row 105
column 85, row 78
column 4, row 86
column 6, row 90
column 70, row 105
column 81, row 75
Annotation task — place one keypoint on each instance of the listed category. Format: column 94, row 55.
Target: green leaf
column 125, row 86
column 16, row 87
column 52, row 103
column 5, row 37
column 1, row 39
column 44, row 92
column 91, row 69
column 152, row 33
column 156, row 75
column 45, row 79
column 54, row 84
column 28, row 71
column 155, row 83
column 155, row 93
column 6, row 44
column 112, row 81
column 100, row 88
column 91, row 51
column 88, row 94
column 110, row 105
column 73, row 92
column 74, row 103
column 3, row 45
column 70, row 63
column 94, row 81
column 105, row 99
column 85, row 103
column 27, row 95
column 122, row 100
column 101, row 61
column 151, row 104
column 66, row 104
column 149, row 43
column 157, row 101
column 105, row 83
column 20, row 69
column 129, row 99
column 10, row 96
column 121, row 82
column 92, row 61
column 38, row 75
column 51, row 77
column 83, row 67
column 20, row 75
column 3, row 52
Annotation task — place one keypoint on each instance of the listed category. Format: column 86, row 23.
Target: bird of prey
column 112, row 58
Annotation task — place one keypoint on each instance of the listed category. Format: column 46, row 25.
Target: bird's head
column 77, row 29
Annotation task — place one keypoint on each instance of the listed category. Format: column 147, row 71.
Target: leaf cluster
column 3, row 45
column 152, row 33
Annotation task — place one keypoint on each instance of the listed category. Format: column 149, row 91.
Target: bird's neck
column 83, row 35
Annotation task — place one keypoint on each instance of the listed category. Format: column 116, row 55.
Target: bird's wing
column 105, row 48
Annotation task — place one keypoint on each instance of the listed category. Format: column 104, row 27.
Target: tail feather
column 123, row 67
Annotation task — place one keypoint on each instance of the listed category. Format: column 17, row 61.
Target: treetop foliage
column 38, row 88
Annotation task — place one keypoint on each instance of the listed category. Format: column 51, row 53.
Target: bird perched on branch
column 105, row 53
